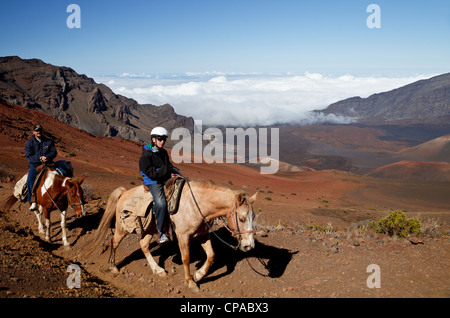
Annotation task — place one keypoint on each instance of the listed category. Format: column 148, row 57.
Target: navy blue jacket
column 35, row 149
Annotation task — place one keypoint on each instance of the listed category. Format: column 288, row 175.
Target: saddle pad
column 20, row 189
column 138, row 201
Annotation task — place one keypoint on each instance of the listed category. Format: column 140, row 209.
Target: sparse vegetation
column 396, row 224
column 327, row 229
column 431, row 227
column 6, row 175
column 88, row 191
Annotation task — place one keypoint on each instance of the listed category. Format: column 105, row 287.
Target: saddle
column 135, row 215
column 172, row 190
column 61, row 167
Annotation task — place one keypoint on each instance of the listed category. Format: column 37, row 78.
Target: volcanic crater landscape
column 310, row 215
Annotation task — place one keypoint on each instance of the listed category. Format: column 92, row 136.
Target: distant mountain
column 423, row 101
column 79, row 101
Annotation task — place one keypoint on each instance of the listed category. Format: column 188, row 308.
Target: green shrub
column 396, row 223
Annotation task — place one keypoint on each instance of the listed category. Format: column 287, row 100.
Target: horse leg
column 145, row 243
column 119, row 234
column 205, row 241
column 38, row 214
column 64, row 229
column 184, row 245
column 46, row 214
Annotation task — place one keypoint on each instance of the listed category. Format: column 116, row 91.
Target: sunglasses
column 161, row 138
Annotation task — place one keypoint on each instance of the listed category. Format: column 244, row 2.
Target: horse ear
column 240, row 198
column 81, row 180
column 252, row 199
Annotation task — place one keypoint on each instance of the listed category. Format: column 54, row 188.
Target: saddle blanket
column 140, row 202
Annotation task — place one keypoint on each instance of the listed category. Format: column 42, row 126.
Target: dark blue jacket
column 35, row 149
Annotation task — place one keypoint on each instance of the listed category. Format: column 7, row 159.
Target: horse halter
column 237, row 231
column 69, row 198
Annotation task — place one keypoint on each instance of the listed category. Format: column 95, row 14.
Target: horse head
column 75, row 195
column 240, row 221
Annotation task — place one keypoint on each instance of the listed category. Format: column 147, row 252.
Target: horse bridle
column 72, row 205
column 236, row 232
column 233, row 232
column 69, row 199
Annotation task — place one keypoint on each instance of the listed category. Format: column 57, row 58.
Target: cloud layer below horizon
column 251, row 100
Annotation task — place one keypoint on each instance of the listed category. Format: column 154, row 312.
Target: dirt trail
column 289, row 261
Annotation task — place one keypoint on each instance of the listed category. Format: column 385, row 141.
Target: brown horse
column 192, row 220
column 55, row 192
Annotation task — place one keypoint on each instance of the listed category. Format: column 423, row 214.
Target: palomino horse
column 55, row 192
column 195, row 215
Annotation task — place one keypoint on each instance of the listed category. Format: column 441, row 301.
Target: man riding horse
column 39, row 149
column 156, row 168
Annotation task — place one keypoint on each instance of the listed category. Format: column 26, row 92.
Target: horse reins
column 204, row 219
column 233, row 233
column 72, row 205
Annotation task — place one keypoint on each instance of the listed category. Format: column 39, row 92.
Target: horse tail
column 8, row 203
column 105, row 222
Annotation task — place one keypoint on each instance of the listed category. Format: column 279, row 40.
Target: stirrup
column 163, row 238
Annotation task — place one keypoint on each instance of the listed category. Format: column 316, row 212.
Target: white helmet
column 159, row 131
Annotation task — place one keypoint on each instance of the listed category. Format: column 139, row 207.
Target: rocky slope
column 419, row 102
column 79, row 101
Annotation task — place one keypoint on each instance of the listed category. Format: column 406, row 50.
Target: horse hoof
column 162, row 274
column 114, row 270
column 193, row 286
column 67, row 247
column 195, row 289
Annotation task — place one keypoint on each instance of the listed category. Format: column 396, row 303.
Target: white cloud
column 255, row 99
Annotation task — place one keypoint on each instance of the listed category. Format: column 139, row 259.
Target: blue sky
column 306, row 54
column 242, row 36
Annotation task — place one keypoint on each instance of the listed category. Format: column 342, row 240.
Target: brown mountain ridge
column 79, row 101
column 424, row 101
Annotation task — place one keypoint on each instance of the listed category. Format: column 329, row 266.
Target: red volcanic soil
column 417, row 171
column 307, row 241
